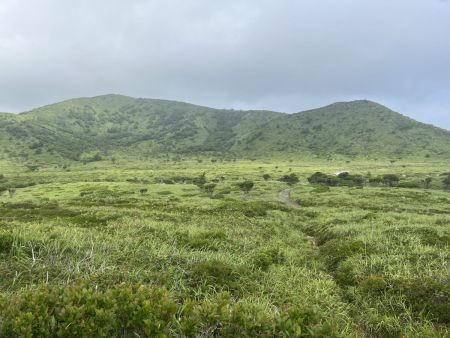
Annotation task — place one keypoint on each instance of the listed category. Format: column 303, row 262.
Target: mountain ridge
column 118, row 125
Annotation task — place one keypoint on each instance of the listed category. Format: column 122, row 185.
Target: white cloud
column 281, row 55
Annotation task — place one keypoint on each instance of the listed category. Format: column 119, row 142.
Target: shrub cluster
column 342, row 179
column 142, row 311
column 290, row 179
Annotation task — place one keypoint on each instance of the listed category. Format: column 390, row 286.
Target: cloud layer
column 284, row 55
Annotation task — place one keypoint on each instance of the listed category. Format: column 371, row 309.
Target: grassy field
column 178, row 249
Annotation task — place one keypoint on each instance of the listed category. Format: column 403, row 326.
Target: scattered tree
column 266, row 177
column 321, row 178
column 390, row 179
column 246, row 186
column 290, row 179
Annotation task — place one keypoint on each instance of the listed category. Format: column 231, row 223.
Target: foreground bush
column 78, row 311
column 143, row 311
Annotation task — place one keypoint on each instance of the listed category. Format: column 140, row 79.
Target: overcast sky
column 285, row 55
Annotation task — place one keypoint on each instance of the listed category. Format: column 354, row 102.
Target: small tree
column 246, row 186
column 266, row 177
column 321, row 178
column 427, row 182
column 390, row 179
column 290, row 179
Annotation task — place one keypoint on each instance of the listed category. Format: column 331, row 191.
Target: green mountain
column 115, row 125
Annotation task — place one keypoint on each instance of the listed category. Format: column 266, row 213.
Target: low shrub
column 345, row 274
column 428, row 296
column 321, row 178
column 337, row 250
column 373, row 284
column 6, row 242
column 290, row 179
column 82, row 311
column 265, row 258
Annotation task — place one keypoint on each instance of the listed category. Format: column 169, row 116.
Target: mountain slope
column 353, row 129
column 118, row 125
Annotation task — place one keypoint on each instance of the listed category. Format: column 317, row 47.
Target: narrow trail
column 284, row 196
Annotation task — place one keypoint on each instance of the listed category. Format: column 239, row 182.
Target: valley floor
column 180, row 249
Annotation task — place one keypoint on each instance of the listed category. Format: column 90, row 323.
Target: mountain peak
column 118, row 124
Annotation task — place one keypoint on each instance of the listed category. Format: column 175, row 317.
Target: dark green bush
column 246, row 186
column 373, row 284
column 351, row 180
column 345, row 275
column 390, row 179
column 82, row 311
column 6, row 242
column 321, row 178
column 290, row 179
column 342, row 179
column 221, row 317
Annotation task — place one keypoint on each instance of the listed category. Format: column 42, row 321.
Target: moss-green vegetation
column 114, row 127
column 147, row 249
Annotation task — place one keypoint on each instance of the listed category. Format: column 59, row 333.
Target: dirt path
column 285, row 197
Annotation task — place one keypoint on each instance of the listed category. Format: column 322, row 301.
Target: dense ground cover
column 181, row 249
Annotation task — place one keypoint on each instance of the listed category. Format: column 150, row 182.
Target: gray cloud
column 283, row 55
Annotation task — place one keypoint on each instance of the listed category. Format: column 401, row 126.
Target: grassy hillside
column 141, row 249
column 117, row 126
column 352, row 129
